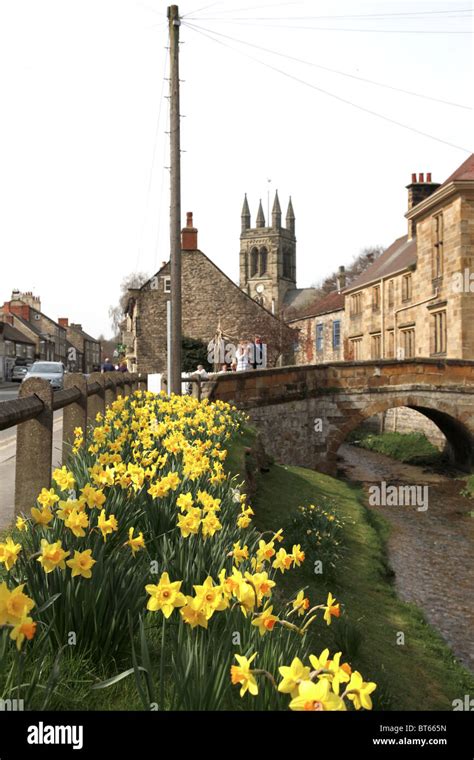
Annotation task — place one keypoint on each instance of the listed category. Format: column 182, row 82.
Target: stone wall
column 306, row 352
column 404, row 420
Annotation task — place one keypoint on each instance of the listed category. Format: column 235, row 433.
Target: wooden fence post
column 34, row 447
column 96, row 402
column 75, row 414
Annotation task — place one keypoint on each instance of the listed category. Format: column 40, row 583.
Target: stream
column 429, row 551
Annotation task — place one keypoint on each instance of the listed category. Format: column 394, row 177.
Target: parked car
column 53, row 372
column 20, row 368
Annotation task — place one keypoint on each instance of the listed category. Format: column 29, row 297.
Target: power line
column 334, row 71
column 249, row 8
column 245, row 22
column 331, row 94
column 408, row 14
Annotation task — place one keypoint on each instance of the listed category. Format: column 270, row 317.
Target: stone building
column 416, row 300
column 320, row 330
column 13, row 345
column 84, row 352
column 210, row 300
column 48, row 336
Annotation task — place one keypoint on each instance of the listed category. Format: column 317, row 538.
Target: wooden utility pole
column 174, row 382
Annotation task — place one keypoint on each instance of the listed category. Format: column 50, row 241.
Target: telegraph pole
column 174, row 381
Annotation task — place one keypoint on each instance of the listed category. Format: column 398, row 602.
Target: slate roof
column 398, row 256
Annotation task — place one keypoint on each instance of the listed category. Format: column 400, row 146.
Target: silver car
column 53, row 372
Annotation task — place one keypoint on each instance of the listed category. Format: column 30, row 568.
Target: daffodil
column 210, row 524
column 64, row 478
column 47, row 498
column 316, row 697
column 165, row 596
column 9, row 552
column 42, row 516
column 242, row 674
column 189, row 523
column 359, row 692
column 106, row 525
column 193, row 613
column 14, row 605
column 25, row 629
column 265, row 621
column 331, row 609
column 283, row 560
column 292, row 675
column 300, row 603
column 135, row 542
column 76, row 522
column 185, row 501
column 21, row 523
column 265, row 551
column 82, row 563
column 211, row 597
column 52, row 556
column 297, row 555
column 239, row 553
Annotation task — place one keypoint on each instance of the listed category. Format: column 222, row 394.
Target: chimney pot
column 413, row 178
column 421, row 177
column 189, row 234
column 428, row 177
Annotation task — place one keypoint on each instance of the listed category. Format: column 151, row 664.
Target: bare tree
column 117, row 312
column 359, row 264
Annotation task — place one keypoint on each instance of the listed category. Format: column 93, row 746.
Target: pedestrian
column 123, row 366
column 201, row 371
column 242, row 356
column 259, row 353
column 107, row 366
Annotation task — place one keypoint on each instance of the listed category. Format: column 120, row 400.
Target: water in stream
column 430, row 551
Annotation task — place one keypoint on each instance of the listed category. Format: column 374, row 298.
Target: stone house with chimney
column 417, row 299
column 83, row 351
column 211, row 301
column 48, row 336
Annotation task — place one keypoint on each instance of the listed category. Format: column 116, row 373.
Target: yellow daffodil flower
column 165, row 596
column 52, row 556
column 76, row 522
column 135, row 543
column 25, row 629
column 359, row 692
column 292, row 675
column 331, row 609
column 82, row 563
column 243, row 675
column 106, row 525
column 266, row 621
column 316, row 697
column 300, row 603
column 9, row 552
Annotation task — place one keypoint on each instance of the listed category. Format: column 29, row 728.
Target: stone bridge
column 305, row 413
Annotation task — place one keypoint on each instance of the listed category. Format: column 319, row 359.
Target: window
column 253, row 262
column 355, row 349
column 407, row 343
column 391, row 293
column 438, row 246
column 376, row 346
column 167, row 284
column 287, row 263
column 336, row 334
column 319, row 336
column 356, row 304
column 376, row 298
column 263, row 261
column 390, row 344
column 406, row 287
column 438, row 333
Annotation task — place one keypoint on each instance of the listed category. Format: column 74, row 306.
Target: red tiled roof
column 400, row 255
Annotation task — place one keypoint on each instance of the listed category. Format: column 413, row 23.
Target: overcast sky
column 83, row 190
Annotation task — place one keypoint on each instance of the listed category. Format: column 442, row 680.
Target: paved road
column 7, row 464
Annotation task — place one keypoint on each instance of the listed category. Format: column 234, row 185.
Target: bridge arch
column 458, row 428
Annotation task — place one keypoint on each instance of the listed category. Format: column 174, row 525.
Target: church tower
column 268, row 256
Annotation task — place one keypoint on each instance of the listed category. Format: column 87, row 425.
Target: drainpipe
column 382, row 321
column 404, row 308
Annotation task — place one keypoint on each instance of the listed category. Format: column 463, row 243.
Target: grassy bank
column 411, row 448
column 422, row 673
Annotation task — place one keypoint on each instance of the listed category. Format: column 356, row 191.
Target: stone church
column 212, row 302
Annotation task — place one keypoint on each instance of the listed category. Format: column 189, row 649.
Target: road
column 8, row 459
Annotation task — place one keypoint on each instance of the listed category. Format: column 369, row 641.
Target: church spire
column 276, row 212
column 290, row 217
column 245, row 216
column 260, row 215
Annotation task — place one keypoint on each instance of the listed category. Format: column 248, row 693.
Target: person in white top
column 242, row 356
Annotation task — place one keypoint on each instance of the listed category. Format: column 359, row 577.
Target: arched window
column 287, row 263
column 263, row 261
column 253, row 262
